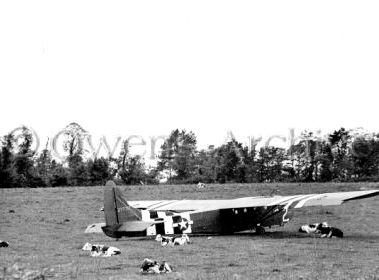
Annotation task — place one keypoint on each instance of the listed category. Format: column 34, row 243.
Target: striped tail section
column 116, row 208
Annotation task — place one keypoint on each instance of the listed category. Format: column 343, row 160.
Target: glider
column 147, row 218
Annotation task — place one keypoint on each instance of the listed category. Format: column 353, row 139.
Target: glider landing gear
column 259, row 230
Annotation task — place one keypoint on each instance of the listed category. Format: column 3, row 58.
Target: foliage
column 270, row 164
column 98, row 171
column 7, row 171
column 343, row 155
column 178, row 155
column 131, row 169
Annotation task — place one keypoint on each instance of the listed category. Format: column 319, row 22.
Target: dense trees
column 131, row 169
column 7, row 171
column 343, row 155
column 178, row 155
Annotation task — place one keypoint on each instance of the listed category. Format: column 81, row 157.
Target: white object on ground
column 94, row 228
column 98, row 250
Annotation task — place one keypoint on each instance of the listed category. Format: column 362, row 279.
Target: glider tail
column 116, row 208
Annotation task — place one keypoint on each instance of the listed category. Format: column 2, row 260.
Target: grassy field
column 45, row 230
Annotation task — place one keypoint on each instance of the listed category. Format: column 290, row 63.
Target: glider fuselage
column 145, row 218
column 219, row 221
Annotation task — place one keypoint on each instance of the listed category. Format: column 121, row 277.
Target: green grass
column 46, row 231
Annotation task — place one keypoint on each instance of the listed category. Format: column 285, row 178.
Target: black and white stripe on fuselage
column 172, row 223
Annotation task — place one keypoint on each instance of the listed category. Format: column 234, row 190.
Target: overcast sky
column 255, row 68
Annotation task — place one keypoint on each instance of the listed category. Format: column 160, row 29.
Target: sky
column 253, row 68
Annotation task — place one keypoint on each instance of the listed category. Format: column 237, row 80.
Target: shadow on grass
column 286, row 234
column 268, row 235
column 275, row 235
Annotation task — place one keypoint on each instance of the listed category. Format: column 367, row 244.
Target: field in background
column 45, row 229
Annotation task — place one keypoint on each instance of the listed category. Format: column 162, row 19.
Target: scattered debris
column 181, row 240
column 201, row 185
column 165, row 267
column 321, row 228
column 98, row 250
column 330, row 232
column 151, row 266
column 311, row 228
column 165, row 240
column 4, row 244
column 171, row 241
column 94, row 228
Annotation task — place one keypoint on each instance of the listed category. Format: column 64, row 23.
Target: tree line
column 343, row 155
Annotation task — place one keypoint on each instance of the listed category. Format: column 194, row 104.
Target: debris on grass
column 153, row 267
column 94, row 228
column 4, row 244
column 171, row 241
column 201, row 185
column 165, row 240
column 311, row 228
column 98, row 250
column 321, row 228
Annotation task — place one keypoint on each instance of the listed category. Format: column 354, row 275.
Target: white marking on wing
column 303, row 201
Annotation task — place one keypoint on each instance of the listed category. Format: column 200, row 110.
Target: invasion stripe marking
column 289, row 203
column 156, row 203
column 299, row 198
column 164, row 204
column 285, row 200
column 303, row 201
